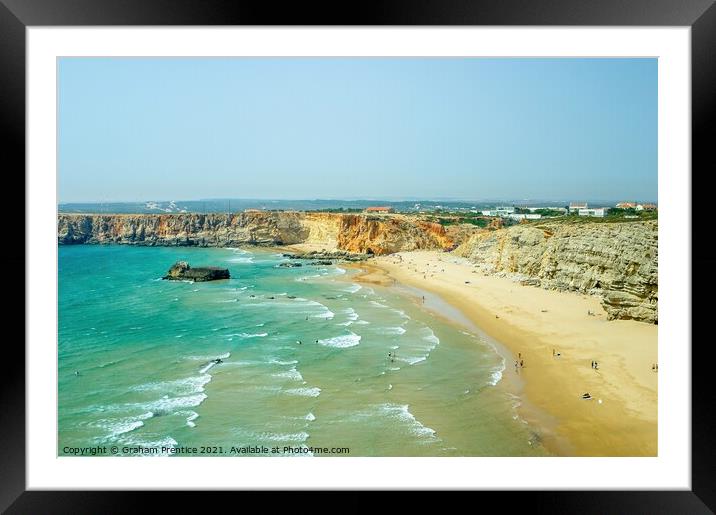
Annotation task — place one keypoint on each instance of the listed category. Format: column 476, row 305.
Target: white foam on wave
column 278, row 437
column 304, row 392
column 191, row 416
column 413, row 360
column 275, row 361
column 170, row 404
column 353, row 288
column 120, row 426
column 307, row 277
column 243, row 260
column 206, row 368
column 402, row 413
column 310, row 417
column 400, row 313
column 397, row 331
column 292, row 374
column 377, row 304
column 207, row 358
column 343, row 341
column 429, row 336
column 187, row 385
column 351, row 314
column 251, row 335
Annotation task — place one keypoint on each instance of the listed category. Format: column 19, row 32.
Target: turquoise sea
column 136, row 369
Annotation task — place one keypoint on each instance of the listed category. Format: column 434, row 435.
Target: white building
column 503, row 211
column 577, row 206
column 522, row 216
column 598, row 212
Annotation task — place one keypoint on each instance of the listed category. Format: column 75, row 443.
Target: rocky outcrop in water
column 356, row 234
column 617, row 261
column 181, row 271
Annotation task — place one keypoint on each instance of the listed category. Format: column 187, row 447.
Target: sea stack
column 181, row 271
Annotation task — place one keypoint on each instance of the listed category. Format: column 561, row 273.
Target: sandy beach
column 532, row 323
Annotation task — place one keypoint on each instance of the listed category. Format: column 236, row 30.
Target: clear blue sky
column 296, row 128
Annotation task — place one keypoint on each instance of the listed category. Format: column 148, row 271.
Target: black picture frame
column 17, row 15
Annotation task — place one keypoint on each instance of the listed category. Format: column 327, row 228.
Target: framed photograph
column 412, row 249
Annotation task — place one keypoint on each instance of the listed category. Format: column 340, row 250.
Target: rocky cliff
column 354, row 233
column 617, row 261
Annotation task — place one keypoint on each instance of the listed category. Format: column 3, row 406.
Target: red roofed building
column 379, row 209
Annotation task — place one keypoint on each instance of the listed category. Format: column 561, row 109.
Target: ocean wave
column 429, row 336
column 244, row 260
column 275, row 361
column 260, row 436
column 251, row 335
column 304, row 392
column 351, row 314
column 402, row 413
column 169, row 405
column 353, row 288
column 187, row 385
column 413, row 360
column 190, row 415
column 292, row 374
column 206, row 368
column 342, row 341
column 400, row 313
column 397, row 331
column 117, row 427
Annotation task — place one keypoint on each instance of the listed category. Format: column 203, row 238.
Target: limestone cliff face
column 213, row 230
column 617, row 261
column 385, row 235
column 354, row 233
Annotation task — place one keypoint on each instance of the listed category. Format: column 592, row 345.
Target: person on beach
column 423, row 299
column 522, row 363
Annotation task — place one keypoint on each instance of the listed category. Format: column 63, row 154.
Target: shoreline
column 526, row 321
